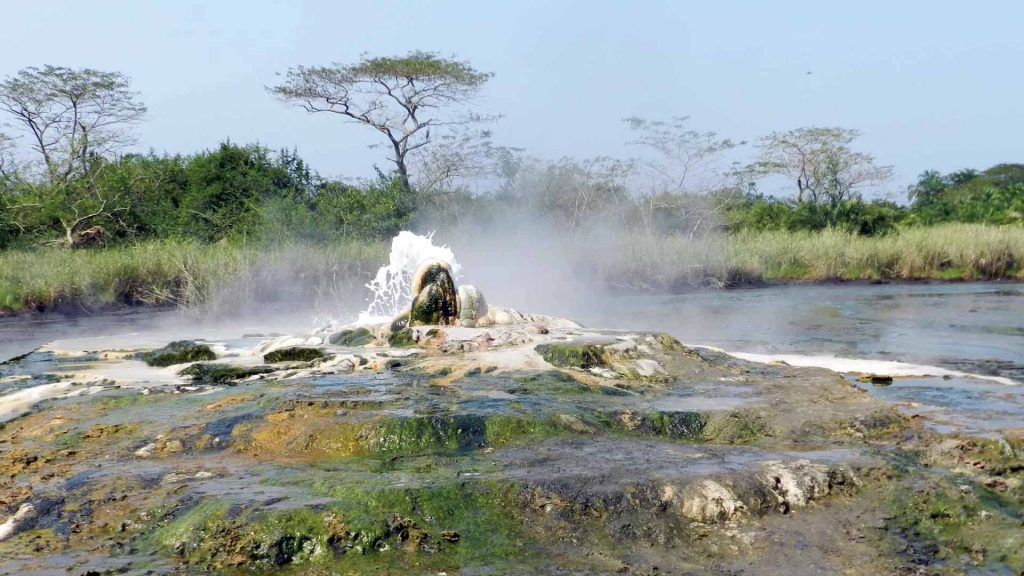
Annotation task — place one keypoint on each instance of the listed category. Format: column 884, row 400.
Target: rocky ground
column 530, row 447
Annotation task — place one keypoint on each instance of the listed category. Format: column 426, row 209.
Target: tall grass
column 188, row 273
column 945, row 252
column 177, row 273
column 949, row 252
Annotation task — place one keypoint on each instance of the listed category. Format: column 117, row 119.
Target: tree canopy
column 820, row 162
column 71, row 116
column 403, row 98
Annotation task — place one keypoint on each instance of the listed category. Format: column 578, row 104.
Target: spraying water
column 391, row 288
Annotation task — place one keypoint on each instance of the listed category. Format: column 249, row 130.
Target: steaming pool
column 961, row 344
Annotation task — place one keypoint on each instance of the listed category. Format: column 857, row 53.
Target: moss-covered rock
column 213, row 536
column 573, row 355
column 436, row 300
column 961, row 523
column 678, row 425
column 203, row 373
column 293, row 354
column 179, row 352
column 352, row 337
column 402, row 338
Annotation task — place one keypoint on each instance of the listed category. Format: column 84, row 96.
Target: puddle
column 956, row 404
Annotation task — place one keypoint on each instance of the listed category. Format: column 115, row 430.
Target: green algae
column 563, row 355
column 214, row 535
column 226, row 374
column 400, row 436
column 179, row 352
column 502, row 430
column 351, row 337
column 548, row 381
column 293, row 354
column 364, row 527
column 401, row 339
column 313, row 432
column 960, row 522
column 670, row 343
column 430, row 433
column 737, row 427
column 481, row 512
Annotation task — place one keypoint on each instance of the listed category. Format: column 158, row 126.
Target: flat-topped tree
column 71, row 123
column 403, row 98
column 71, row 117
column 820, row 161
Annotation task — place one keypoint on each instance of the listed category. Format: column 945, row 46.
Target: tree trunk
column 403, row 171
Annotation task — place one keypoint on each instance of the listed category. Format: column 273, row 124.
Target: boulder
column 436, row 301
column 472, row 306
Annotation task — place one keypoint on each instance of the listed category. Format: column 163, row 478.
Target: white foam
column 860, row 366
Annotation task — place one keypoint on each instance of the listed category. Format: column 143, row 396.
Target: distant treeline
column 250, row 192
column 66, row 179
column 230, row 192
column 992, row 196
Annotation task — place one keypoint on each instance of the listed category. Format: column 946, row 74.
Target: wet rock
column 179, row 352
column 797, row 483
column 403, row 338
column 222, row 373
column 472, row 306
column 707, row 501
column 572, row 355
column 21, row 519
column 352, row 337
column 293, row 354
column 146, row 451
column 876, row 379
column 435, row 300
column 574, row 424
column 646, row 368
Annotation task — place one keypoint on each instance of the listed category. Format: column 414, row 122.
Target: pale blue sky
column 932, row 84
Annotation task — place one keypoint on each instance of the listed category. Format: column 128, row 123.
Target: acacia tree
column 402, row 98
column 74, row 120
column 820, row 162
column 683, row 167
column 71, row 117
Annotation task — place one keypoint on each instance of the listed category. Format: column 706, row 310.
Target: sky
column 930, row 84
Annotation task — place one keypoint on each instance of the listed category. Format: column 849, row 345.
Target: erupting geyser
column 391, row 288
column 417, row 288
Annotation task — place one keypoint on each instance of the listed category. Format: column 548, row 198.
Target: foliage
column 995, row 195
column 230, row 192
column 756, row 212
column 380, row 209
